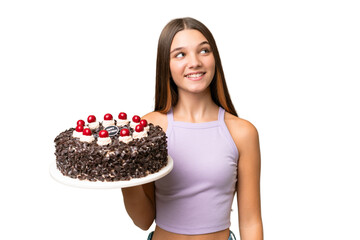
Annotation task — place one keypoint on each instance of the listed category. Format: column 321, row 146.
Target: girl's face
column 192, row 63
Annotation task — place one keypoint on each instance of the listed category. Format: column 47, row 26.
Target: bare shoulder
column 157, row 118
column 242, row 131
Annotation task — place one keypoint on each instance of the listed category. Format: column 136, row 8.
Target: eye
column 204, row 51
column 179, row 55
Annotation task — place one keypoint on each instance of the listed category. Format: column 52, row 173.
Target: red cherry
column 79, row 128
column 139, row 128
column 103, row 134
column 122, row 116
column 143, row 122
column 91, row 118
column 80, row 122
column 108, row 116
column 87, row 132
column 136, row 119
column 124, row 132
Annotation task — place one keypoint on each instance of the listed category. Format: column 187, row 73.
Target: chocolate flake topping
column 117, row 161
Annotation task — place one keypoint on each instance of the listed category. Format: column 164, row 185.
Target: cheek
column 210, row 63
column 176, row 70
column 211, row 69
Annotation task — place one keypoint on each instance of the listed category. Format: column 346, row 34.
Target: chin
column 197, row 90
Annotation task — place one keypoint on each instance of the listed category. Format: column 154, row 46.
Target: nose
column 193, row 61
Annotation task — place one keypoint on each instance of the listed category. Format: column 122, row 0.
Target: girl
column 215, row 153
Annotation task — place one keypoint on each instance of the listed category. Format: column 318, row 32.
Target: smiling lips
column 195, row 76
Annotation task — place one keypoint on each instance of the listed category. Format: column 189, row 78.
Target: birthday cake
column 111, row 150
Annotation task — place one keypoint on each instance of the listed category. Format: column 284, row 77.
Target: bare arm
column 140, row 200
column 140, row 204
column 248, row 189
column 246, row 139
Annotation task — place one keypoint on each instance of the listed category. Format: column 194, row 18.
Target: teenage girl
column 215, row 152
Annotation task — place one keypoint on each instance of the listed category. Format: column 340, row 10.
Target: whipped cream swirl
column 77, row 134
column 125, row 139
column 103, row 141
column 107, row 123
column 94, row 125
column 137, row 135
column 87, row 139
column 121, row 122
column 133, row 124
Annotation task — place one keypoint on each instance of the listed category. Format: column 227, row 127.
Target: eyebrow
column 179, row 48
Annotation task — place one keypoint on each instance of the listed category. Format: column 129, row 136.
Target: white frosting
column 147, row 128
column 103, row 141
column 107, row 123
column 121, row 122
column 133, row 124
column 94, row 125
column 87, row 139
column 125, row 139
column 77, row 134
column 139, row 134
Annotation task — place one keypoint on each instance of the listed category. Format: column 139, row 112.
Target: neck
column 198, row 107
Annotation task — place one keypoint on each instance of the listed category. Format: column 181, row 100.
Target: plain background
column 292, row 68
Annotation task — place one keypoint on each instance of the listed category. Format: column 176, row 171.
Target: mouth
column 195, row 76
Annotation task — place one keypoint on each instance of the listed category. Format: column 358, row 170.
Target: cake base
column 58, row 176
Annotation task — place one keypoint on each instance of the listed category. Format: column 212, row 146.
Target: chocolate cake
column 115, row 152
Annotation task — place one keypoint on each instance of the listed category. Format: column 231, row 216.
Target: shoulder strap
column 170, row 116
column 221, row 115
column 170, row 120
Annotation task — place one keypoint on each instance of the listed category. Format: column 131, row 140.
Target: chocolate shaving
column 117, row 161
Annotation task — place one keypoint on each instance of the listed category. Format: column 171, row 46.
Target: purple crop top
column 196, row 196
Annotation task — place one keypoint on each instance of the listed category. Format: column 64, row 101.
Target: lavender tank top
column 196, row 196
